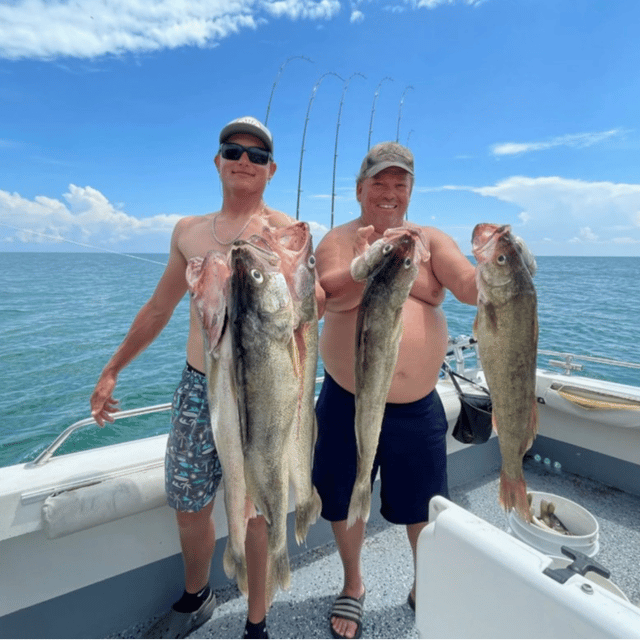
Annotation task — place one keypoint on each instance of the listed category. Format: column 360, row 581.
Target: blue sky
column 518, row 111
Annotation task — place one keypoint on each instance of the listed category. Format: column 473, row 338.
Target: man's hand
column 362, row 240
column 103, row 404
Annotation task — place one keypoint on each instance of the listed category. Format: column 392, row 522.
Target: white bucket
column 583, row 526
column 561, row 563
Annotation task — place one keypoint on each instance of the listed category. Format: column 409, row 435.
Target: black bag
column 474, row 422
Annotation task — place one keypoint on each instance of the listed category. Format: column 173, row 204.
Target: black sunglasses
column 233, row 151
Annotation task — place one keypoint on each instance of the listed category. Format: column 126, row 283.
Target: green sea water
column 63, row 314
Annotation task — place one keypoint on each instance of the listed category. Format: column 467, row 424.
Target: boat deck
column 302, row 611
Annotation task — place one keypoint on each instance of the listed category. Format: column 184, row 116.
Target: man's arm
column 452, row 268
column 147, row 325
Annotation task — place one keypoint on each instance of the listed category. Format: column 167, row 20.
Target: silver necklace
column 246, row 224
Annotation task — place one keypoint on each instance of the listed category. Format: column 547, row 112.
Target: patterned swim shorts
column 192, row 467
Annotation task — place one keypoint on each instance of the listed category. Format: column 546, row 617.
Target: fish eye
column 311, row 263
column 407, row 263
column 501, row 259
column 386, row 250
column 257, row 275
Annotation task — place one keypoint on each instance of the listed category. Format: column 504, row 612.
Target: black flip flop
column 348, row 608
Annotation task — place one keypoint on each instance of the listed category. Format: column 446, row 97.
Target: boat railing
column 460, row 351
column 46, row 455
column 568, row 364
column 463, row 349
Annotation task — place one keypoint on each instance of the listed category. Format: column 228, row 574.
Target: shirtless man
column 245, row 164
column 412, row 452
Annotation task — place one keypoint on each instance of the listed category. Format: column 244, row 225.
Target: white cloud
column 84, row 215
column 433, row 4
column 587, row 235
column 294, row 9
column 47, row 29
column 555, row 198
column 571, row 140
column 626, row 241
column 88, row 28
column 572, row 210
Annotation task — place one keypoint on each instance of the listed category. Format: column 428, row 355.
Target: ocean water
column 62, row 315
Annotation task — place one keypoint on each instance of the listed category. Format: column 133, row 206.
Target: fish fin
column 307, row 513
column 534, row 421
column 532, row 429
column 513, row 495
column 474, row 331
column 360, row 504
column 300, row 355
column 492, row 317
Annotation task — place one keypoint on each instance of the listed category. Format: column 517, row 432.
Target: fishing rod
column 304, row 132
column 335, row 151
column 400, row 112
column 373, row 108
column 59, row 238
column 273, row 88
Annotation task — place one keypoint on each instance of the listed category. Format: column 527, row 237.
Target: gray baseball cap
column 384, row 155
column 250, row 125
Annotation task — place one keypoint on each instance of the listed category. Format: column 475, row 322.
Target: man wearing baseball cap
column 245, row 165
column 411, row 451
column 250, row 126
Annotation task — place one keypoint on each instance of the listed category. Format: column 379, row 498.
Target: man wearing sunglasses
column 245, row 166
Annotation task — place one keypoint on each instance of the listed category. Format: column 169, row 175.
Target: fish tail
column 307, row 513
column 278, row 573
column 236, row 566
column 513, row 495
column 360, row 504
column 282, row 570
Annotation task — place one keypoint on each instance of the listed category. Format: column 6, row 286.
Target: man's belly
column 422, row 349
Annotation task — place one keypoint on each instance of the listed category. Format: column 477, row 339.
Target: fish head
column 501, row 268
column 301, row 268
column 257, row 283
column 420, row 247
column 484, row 237
column 207, row 279
column 395, row 256
column 294, row 246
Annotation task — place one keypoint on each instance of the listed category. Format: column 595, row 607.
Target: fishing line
column 80, row 244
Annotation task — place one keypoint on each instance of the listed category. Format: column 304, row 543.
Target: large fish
column 208, row 283
column 506, row 327
column 294, row 245
column 390, row 267
column 261, row 318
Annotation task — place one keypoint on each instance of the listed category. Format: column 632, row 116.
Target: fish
column 208, row 280
column 294, row 245
column 390, row 267
column 506, row 328
column 261, row 322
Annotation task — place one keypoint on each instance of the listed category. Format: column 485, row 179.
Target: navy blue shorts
column 411, row 456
